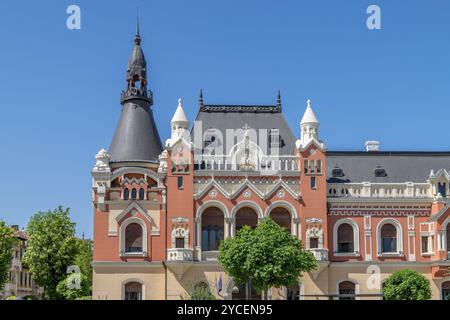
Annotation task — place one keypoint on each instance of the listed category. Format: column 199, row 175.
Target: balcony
column 180, row 254
column 16, row 263
column 320, row 254
column 210, row 255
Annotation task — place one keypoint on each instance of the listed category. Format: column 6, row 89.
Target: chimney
column 15, row 227
column 372, row 146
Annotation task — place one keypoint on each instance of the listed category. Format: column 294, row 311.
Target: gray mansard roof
column 223, row 117
column 399, row 166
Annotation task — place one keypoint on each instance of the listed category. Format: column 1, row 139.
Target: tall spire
column 136, row 137
column 137, row 72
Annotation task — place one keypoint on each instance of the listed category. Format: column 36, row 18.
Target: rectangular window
column 305, row 165
column 313, row 183
column 313, row 243
column 319, row 166
column 179, row 243
column 180, row 182
column 311, row 166
column 427, row 244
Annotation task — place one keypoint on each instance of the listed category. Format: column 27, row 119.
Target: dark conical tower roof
column 136, row 138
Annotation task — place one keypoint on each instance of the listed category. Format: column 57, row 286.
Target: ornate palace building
column 161, row 210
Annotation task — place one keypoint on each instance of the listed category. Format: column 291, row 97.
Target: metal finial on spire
column 308, row 103
column 279, row 100
column 200, row 99
column 137, row 38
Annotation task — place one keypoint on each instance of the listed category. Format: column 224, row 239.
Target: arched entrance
column 212, row 229
column 246, row 216
column 282, row 217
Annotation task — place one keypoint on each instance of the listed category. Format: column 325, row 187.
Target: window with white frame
column 427, row 243
column 346, row 237
column 133, row 237
column 389, row 237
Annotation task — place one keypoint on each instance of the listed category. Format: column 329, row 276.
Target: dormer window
column 380, row 172
column 337, row 172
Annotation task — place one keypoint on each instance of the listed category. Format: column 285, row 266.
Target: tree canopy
column 74, row 286
column 52, row 248
column 268, row 256
column 7, row 242
column 406, row 285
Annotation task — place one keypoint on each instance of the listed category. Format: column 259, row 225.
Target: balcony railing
column 265, row 164
column 379, row 190
column 320, row 254
column 180, row 254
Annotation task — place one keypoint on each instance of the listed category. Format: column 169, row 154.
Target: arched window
column 212, row 229
column 133, row 238
column 133, row 193
column 446, row 290
column 126, row 194
column 447, row 235
column 246, row 216
column 141, row 194
column 133, row 291
column 442, row 189
column 346, row 290
column 282, row 217
column 345, row 239
column 388, row 238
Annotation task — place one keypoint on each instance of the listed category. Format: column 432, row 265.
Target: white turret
column 309, row 127
column 179, row 124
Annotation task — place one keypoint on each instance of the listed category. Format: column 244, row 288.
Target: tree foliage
column 51, row 249
column 200, row 291
column 7, row 242
column 75, row 286
column 84, row 258
column 407, row 285
column 268, row 255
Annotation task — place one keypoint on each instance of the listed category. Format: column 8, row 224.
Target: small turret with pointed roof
column 309, row 126
column 179, row 125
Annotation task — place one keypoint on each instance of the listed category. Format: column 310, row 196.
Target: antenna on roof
column 200, row 99
column 279, row 101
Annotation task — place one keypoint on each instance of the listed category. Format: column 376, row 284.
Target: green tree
column 51, row 248
column 84, row 258
column 406, row 285
column 200, row 291
column 7, row 242
column 268, row 256
column 75, row 286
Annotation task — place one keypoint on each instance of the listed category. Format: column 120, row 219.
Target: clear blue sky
column 60, row 88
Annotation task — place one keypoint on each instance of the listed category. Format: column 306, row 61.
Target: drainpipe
column 165, row 241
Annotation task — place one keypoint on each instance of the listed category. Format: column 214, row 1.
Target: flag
column 219, row 285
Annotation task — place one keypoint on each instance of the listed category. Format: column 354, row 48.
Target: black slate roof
column 399, row 166
column 256, row 117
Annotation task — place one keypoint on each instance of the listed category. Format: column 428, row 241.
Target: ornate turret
column 309, row 127
column 137, row 74
column 136, row 138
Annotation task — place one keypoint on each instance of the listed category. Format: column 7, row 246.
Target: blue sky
column 60, row 88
